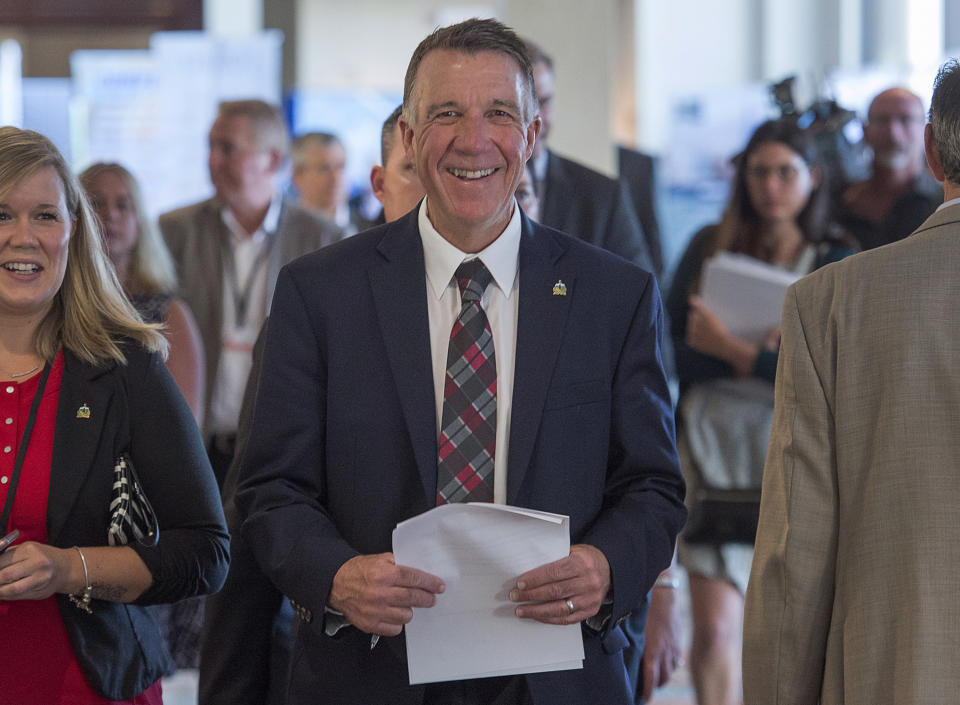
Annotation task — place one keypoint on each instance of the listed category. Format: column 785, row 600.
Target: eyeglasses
column 784, row 172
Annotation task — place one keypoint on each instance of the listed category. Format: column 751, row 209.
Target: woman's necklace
column 13, row 375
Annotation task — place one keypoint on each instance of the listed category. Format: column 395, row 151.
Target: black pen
column 9, row 539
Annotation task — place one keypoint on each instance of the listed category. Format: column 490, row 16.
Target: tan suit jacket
column 853, row 597
column 195, row 235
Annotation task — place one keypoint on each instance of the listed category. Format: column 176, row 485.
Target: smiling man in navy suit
column 350, row 430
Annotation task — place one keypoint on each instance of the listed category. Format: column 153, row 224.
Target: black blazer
column 343, row 443
column 589, row 205
column 136, row 408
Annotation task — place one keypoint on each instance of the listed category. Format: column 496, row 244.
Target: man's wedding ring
column 571, row 607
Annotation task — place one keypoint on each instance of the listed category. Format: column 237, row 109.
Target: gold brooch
column 83, row 412
column 559, row 289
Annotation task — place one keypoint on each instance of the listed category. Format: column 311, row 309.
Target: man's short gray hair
column 472, row 37
column 945, row 118
column 302, row 144
column 269, row 128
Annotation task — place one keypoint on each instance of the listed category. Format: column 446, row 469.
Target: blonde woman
column 147, row 273
column 83, row 383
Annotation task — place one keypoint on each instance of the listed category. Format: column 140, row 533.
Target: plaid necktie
column 468, row 427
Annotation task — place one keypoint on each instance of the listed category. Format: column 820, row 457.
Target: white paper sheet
column 745, row 294
column 479, row 549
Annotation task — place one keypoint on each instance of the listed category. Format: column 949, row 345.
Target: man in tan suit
column 853, row 595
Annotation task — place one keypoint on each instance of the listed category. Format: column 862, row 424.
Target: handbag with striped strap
column 131, row 515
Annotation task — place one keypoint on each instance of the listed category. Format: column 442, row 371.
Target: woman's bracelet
column 82, row 599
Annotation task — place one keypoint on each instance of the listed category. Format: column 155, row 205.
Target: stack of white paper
column 745, row 293
column 479, row 550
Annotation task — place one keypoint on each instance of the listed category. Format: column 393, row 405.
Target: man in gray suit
column 229, row 250
column 853, row 598
column 245, row 651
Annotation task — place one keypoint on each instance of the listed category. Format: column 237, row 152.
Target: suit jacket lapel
column 399, row 294
column 213, row 237
column 280, row 251
column 543, row 309
column 76, row 439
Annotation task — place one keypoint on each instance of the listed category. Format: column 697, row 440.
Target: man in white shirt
column 229, row 249
column 320, row 180
column 245, row 650
column 350, row 432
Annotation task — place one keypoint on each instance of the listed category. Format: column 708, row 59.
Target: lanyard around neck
column 241, row 294
column 22, row 450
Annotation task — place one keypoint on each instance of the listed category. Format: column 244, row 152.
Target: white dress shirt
column 499, row 301
column 948, row 204
column 236, row 354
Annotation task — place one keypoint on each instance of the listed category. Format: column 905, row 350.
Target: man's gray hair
column 269, row 128
column 302, row 144
column 945, row 118
column 472, row 37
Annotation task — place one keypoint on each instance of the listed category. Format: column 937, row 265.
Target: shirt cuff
column 601, row 619
column 334, row 621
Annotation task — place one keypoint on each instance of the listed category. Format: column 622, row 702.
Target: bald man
column 900, row 193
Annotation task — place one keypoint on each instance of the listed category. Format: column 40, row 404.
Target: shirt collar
column 441, row 258
column 270, row 220
column 947, row 204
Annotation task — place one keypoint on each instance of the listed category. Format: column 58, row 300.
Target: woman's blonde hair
column 151, row 269
column 90, row 314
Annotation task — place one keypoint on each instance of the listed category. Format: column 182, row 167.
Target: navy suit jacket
column 343, row 442
column 597, row 209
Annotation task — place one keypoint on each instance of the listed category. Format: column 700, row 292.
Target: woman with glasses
column 776, row 214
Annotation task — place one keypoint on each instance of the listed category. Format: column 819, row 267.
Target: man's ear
column 533, row 131
column 406, row 137
column 933, row 155
column 275, row 157
column 376, row 182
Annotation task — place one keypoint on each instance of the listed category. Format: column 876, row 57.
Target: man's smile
column 469, row 175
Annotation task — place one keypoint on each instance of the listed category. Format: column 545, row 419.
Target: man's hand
column 378, row 596
column 582, row 579
column 661, row 644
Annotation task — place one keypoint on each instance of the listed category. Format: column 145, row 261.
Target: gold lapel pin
column 559, row 289
column 83, row 412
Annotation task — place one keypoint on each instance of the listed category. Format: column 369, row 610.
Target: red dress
column 38, row 665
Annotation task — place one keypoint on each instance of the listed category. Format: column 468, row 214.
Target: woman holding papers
column 776, row 215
